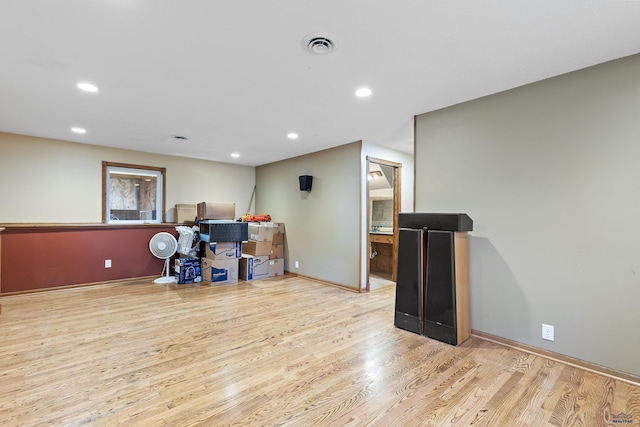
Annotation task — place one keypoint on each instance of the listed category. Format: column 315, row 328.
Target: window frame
column 133, row 169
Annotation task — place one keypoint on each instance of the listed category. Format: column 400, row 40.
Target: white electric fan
column 163, row 245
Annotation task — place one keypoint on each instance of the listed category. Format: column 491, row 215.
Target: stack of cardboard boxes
column 220, row 262
column 217, row 266
column 276, row 257
column 263, row 253
column 225, row 261
column 217, row 262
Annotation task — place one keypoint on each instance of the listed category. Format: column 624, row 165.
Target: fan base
column 165, row 280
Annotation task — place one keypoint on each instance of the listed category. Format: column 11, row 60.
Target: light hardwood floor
column 288, row 352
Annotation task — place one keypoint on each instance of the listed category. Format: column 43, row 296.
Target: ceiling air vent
column 319, row 44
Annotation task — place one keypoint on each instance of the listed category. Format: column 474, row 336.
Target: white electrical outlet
column 297, row 264
column 107, row 263
column 547, row 332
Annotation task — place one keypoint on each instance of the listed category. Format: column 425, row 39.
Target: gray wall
column 46, row 180
column 322, row 227
column 550, row 174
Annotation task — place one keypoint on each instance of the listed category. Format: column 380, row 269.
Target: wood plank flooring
column 287, row 352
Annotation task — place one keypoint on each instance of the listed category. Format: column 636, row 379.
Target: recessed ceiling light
column 292, row 135
column 235, row 155
column 374, row 175
column 87, row 87
column 78, row 130
column 363, row 92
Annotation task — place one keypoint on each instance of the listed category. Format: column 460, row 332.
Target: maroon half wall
column 45, row 256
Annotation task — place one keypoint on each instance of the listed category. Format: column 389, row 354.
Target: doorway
column 383, row 204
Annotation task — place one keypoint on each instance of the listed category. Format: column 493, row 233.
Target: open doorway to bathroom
column 383, row 205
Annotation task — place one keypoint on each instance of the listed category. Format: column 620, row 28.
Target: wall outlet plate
column 547, row 332
column 107, row 263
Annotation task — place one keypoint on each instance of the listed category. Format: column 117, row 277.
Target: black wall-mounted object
column 305, row 182
column 432, row 283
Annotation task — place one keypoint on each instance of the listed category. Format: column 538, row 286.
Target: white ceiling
column 233, row 75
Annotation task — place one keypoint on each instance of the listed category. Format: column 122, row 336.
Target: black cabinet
column 432, row 287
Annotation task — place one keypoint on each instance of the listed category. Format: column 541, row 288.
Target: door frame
column 397, row 203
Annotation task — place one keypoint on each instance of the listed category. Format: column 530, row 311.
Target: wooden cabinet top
column 381, row 238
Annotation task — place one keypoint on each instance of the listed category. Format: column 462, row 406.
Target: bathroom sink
column 381, row 230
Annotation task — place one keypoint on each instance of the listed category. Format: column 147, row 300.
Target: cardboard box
column 278, row 233
column 276, row 267
column 213, row 210
column 257, row 248
column 185, row 214
column 222, row 250
column 260, row 232
column 220, row 272
column 188, row 270
column 254, row 267
column 277, row 251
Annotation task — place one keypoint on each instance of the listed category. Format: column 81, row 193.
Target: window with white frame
column 132, row 194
